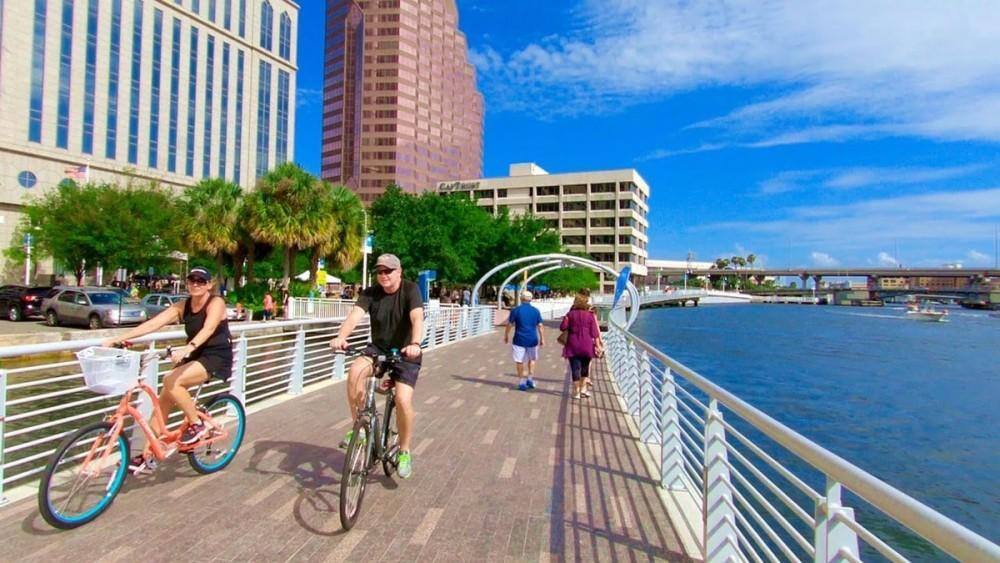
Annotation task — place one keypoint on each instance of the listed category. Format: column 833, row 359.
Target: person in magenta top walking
column 580, row 344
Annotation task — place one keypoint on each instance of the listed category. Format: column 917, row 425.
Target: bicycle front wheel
column 354, row 477
column 223, row 443
column 390, row 438
column 83, row 477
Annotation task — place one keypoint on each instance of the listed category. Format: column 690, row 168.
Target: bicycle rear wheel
column 390, row 438
column 227, row 411
column 354, row 477
column 84, row 476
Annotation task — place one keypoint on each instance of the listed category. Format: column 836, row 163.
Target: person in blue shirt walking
column 526, row 320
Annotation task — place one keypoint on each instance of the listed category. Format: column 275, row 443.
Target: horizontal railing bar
column 40, row 367
column 747, row 507
column 771, row 486
column 51, row 395
column 791, row 477
column 29, row 429
column 753, row 532
column 871, row 539
column 780, row 518
column 29, row 414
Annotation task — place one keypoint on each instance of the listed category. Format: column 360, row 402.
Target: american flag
column 79, row 173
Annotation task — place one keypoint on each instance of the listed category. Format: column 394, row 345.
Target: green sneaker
column 347, row 438
column 405, row 465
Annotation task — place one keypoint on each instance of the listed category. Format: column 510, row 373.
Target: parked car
column 18, row 302
column 92, row 307
column 154, row 303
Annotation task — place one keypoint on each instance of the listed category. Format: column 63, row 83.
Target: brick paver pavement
column 499, row 475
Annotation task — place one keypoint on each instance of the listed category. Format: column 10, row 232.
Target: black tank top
column 193, row 323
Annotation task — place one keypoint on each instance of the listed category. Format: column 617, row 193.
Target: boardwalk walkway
column 498, row 475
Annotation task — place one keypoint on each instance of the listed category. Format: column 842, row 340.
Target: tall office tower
column 142, row 90
column 400, row 99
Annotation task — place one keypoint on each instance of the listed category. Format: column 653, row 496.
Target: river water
column 914, row 403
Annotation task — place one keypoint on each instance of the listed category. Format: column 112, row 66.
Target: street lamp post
column 27, row 259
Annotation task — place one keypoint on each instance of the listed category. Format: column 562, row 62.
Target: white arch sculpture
column 633, row 312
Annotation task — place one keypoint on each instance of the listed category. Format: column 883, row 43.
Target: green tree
column 289, row 208
column 208, row 215
column 80, row 225
column 342, row 249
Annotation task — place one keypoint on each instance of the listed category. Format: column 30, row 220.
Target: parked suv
column 94, row 308
column 18, row 302
column 155, row 303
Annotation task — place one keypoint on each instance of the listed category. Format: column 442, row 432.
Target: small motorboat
column 927, row 314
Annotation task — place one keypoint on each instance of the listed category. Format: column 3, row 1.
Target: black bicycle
column 371, row 441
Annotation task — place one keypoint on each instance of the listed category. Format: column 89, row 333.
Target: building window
column 37, row 73
column 206, row 149
column 27, row 179
column 624, row 257
column 133, row 119
column 602, row 239
column 238, row 145
column 65, row 74
column 192, row 102
column 603, row 188
column 552, row 223
column 224, row 108
column 576, row 189
column 547, row 208
column 483, row 194
column 626, row 222
column 285, row 37
column 266, row 25
column 175, row 80
column 626, row 239
column 547, row 190
column 111, row 137
column 501, row 193
column 574, row 223
column 281, row 148
column 574, row 240
column 196, row 6
column 211, row 10
column 154, row 96
column 90, row 78
column 227, row 15
column 242, row 17
column 602, row 222
column 600, row 205
column 263, row 118
column 625, row 204
column 574, row 206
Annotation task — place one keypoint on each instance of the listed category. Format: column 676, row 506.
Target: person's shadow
column 316, row 471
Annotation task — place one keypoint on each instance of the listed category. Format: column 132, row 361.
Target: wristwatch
column 417, row 344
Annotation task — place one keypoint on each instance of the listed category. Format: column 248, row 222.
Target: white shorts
column 523, row 354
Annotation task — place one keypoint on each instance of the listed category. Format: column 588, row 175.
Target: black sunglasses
column 197, row 281
column 385, row 271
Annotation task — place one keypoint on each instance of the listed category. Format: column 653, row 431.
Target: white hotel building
column 602, row 213
column 171, row 91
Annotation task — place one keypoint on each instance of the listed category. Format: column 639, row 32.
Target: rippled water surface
column 916, row 404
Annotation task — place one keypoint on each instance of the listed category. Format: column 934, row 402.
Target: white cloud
column 308, row 98
column 939, row 218
column 824, row 260
column 831, row 71
column 978, row 258
column 861, row 177
column 886, row 259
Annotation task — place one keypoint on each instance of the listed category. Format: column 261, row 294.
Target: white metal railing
column 753, row 506
column 306, row 308
column 43, row 399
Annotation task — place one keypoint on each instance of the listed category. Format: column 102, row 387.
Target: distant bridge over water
column 841, row 272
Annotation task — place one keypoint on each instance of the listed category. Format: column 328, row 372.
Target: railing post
column 3, row 417
column 648, row 429
column 238, row 386
column 632, row 379
column 290, row 312
column 671, row 455
column 447, row 328
column 338, row 367
column 430, row 329
column 834, row 540
column 721, row 540
column 298, row 363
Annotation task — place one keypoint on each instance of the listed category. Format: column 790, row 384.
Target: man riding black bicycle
column 397, row 323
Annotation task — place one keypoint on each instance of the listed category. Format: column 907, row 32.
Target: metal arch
column 630, row 287
column 524, row 284
column 519, row 272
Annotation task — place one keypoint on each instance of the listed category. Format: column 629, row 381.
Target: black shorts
column 406, row 370
column 218, row 363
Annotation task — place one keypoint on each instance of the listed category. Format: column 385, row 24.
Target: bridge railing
column 765, row 491
column 43, row 398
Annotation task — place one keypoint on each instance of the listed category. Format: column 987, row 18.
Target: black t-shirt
column 390, row 314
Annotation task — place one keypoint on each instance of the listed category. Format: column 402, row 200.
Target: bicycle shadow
column 315, row 471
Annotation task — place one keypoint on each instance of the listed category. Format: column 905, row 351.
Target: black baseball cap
column 200, row 274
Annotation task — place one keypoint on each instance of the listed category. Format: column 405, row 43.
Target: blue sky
column 807, row 133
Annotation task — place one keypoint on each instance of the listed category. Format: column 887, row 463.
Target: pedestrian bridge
column 660, row 464
column 679, row 297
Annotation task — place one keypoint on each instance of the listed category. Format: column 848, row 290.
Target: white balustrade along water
column 43, row 397
column 719, row 456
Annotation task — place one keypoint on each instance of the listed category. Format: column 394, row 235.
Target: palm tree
column 751, row 258
column 344, row 248
column 209, row 212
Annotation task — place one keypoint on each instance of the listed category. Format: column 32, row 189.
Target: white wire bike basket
column 109, row 371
